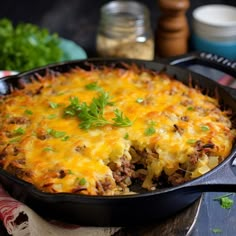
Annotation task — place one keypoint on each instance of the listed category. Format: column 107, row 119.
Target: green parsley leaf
column 225, row 201
column 48, row 149
column 92, row 115
column 93, row 86
column 216, row 231
column 204, row 128
column 70, row 172
column 53, row 105
column 126, row 136
column 65, row 138
column 30, row 42
column 55, row 133
column 139, row 100
column 51, row 116
column 28, row 112
column 19, row 131
column 150, row 131
column 190, row 108
column 121, row 120
column 82, row 181
column 191, row 141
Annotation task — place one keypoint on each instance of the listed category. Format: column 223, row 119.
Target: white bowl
column 215, row 22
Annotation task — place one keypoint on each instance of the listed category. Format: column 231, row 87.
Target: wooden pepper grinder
column 172, row 30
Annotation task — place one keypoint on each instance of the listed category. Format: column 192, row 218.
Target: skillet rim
column 117, row 61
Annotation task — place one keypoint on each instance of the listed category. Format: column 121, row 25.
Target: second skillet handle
column 206, row 59
column 210, row 61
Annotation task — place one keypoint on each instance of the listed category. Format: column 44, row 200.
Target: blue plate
column 71, row 50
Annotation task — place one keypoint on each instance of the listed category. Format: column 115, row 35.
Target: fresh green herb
column 28, row 112
column 19, row 131
column 55, row 133
column 70, row 172
column 126, row 136
column 26, row 46
column 93, row 86
column 191, row 141
column 139, row 100
column 121, row 120
column 217, row 231
column 53, row 105
column 65, row 138
column 92, row 115
column 82, row 181
column 150, row 129
column 73, row 108
column 190, row 109
column 225, row 201
column 51, row 116
column 48, row 149
column 204, row 128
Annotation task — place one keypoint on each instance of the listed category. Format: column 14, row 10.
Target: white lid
column 215, row 20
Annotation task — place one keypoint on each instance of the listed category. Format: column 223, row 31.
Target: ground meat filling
column 122, row 173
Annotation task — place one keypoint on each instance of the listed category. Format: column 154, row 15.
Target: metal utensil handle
column 206, row 59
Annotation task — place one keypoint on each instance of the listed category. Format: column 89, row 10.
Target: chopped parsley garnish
column 204, row 128
column 53, row 105
column 94, row 87
column 121, row 120
column 225, row 201
column 92, row 115
column 28, row 112
column 191, row 141
column 126, row 136
column 48, row 149
column 150, row 129
column 65, row 138
column 19, row 131
column 70, row 172
column 139, row 100
column 190, row 108
column 55, row 133
column 216, row 231
column 51, row 116
column 82, row 181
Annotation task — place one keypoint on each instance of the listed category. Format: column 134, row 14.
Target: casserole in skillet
column 97, row 130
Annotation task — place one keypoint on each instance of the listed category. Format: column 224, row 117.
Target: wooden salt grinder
column 172, row 30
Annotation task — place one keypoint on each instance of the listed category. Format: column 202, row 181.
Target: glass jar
column 124, row 31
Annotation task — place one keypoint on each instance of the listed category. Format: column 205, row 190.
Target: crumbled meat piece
column 18, row 120
column 120, row 173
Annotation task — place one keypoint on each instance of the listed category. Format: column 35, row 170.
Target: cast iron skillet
column 145, row 207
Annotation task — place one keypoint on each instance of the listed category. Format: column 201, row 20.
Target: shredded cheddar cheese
column 151, row 127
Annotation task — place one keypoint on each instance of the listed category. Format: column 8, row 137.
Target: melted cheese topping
column 171, row 125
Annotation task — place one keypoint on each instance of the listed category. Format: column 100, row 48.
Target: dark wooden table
column 77, row 20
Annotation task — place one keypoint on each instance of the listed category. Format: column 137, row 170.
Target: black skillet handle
column 206, row 59
column 209, row 60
